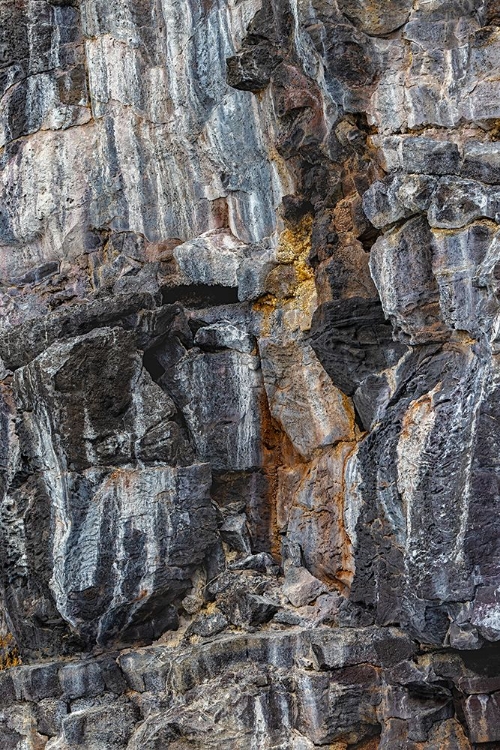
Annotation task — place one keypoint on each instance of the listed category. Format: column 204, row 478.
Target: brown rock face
column 249, row 383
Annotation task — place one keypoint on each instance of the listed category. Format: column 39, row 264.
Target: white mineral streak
column 136, row 499
column 142, row 501
column 49, row 220
column 168, row 137
column 416, row 430
column 353, row 498
column 223, row 392
column 241, row 13
column 486, row 382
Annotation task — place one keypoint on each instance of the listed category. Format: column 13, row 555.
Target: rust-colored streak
column 277, row 452
column 9, row 653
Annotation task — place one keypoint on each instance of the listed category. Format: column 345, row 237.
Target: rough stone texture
column 296, row 689
column 249, row 379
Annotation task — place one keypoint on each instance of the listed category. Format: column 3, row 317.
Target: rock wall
column 249, row 388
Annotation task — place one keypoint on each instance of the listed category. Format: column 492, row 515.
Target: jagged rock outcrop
column 249, row 421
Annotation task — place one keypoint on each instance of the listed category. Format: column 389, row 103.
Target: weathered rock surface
column 295, row 689
column 249, row 380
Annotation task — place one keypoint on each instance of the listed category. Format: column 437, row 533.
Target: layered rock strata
column 249, row 453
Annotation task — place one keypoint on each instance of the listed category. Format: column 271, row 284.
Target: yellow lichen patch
column 294, row 248
column 266, row 306
column 294, row 293
column 9, row 653
column 306, row 302
column 338, row 746
column 448, row 735
column 495, row 129
column 370, row 744
column 460, row 340
column 483, row 223
column 295, row 245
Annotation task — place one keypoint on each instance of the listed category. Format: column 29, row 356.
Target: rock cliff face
column 249, row 376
